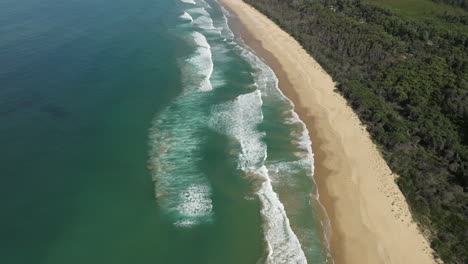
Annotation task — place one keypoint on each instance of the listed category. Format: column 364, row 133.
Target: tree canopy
column 407, row 79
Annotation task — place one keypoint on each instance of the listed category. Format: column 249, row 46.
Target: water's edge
column 248, row 40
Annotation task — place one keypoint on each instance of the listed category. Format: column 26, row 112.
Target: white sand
column 370, row 219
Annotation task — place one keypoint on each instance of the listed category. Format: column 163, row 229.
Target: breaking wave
column 198, row 67
column 240, row 119
column 188, row 2
column 186, row 16
column 177, row 135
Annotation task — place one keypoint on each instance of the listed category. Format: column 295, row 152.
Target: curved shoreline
column 369, row 215
column 285, row 88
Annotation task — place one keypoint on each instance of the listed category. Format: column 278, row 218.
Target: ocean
column 145, row 131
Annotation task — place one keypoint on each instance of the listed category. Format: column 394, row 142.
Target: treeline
column 460, row 3
column 407, row 79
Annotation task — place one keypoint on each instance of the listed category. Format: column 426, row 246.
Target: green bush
column 407, row 79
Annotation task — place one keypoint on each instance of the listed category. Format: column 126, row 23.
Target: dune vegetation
column 403, row 67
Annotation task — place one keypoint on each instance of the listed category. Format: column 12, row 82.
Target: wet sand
column 370, row 219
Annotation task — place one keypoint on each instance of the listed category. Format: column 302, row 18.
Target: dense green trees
column 459, row 3
column 407, row 79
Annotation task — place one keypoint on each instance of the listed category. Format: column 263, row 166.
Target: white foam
column 185, row 223
column 189, row 2
column 205, row 4
column 203, row 20
column 284, row 246
column 267, row 82
column 200, row 40
column 198, row 68
column 194, row 206
column 198, row 11
column 239, row 119
column 306, row 144
column 182, row 190
column 227, row 32
column 186, row 16
column 196, row 201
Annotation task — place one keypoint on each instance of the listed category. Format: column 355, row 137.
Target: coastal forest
column 402, row 65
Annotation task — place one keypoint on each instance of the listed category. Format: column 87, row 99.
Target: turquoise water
column 145, row 132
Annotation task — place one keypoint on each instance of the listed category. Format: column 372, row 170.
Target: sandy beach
column 370, row 219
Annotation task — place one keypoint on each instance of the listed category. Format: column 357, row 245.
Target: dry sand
column 370, row 219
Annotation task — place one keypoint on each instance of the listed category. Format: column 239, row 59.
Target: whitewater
column 249, row 111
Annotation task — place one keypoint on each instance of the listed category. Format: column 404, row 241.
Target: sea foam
column 186, row 16
column 188, row 2
column 267, row 82
column 182, row 190
column 195, row 201
column 240, row 119
column 198, row 67
column 203, row 21
column 198, row 11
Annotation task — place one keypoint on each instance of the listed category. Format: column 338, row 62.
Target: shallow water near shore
column 146, row 132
